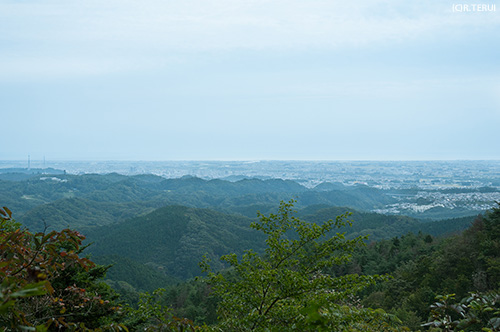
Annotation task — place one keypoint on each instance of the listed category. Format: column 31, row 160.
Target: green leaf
column 31, row 290
column 4, row 307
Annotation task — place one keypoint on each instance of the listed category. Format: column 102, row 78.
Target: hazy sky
column 241, row 79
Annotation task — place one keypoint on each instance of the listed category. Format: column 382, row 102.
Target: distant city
column 378, row 174
column 417, row 185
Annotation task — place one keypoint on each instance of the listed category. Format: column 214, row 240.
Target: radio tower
column 29, row 162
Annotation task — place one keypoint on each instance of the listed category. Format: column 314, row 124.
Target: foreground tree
column 152, row 315
column 286, row 288
column 476, row 312
column 46, row 285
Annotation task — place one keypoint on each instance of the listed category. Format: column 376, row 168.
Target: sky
column 249, row 80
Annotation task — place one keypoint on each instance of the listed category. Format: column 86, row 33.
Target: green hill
column 81, row 214
column 145, row 278
column 175, row 238
column 381, row 226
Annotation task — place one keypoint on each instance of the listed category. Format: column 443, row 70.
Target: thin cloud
column 92, row 36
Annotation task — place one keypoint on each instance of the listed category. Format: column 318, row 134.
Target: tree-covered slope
column 423, row 267
column 25, row 194
column 143, row 277
column 175, row 238
column 81, row 214
column 381, row 226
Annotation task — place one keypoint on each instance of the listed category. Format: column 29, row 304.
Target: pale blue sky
column 245, row 80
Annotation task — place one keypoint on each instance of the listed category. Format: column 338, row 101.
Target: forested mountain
column 164, row 245
column 421, row 268
column 82, row 213
column 380, row 226
column 150, row 232
column 130, row 277
column 92, row 200
column 89, row 200
column 173, row 239
column 424, row 267
column 122, row 213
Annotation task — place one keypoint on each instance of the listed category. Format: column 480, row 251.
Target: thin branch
column 38, row 250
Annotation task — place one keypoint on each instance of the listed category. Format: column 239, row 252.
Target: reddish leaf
column 8, row 211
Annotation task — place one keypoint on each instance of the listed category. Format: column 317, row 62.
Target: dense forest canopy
column 310, row 280
column 88, row 200
column 132, row 258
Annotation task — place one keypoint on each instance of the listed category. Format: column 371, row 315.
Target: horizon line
column 242, row 160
